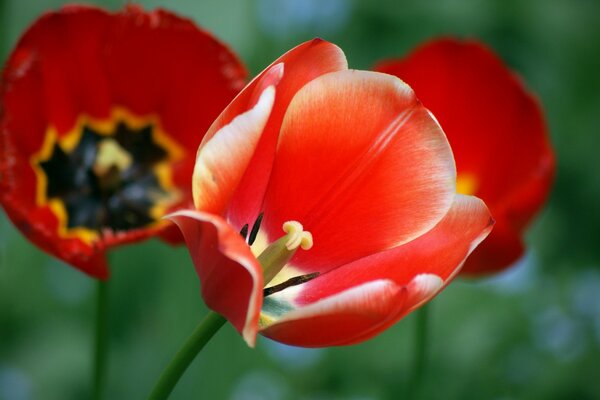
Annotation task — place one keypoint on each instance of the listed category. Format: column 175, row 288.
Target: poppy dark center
column 108, row 181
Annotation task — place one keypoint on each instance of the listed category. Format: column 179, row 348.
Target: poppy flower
column 325, row 204
column 99, row 115
column 497, row 132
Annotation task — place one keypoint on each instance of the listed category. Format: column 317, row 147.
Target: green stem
column 4, row 44
column 186, row 354
column 101, row 339
column 419, row 362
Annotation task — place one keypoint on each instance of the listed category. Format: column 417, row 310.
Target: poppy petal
column 82, row 64
column 230, row 276
column 502, row 248
column 497, row 131
column 222, row 160
column 348, row 138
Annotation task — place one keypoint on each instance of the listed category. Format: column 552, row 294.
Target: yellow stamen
column 297, row 236
column 466, row 184
column 278, row 253
column 111, row 155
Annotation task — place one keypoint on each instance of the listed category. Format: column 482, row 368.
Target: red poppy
column 361, row 178
column 497, row 132
column 100, row 117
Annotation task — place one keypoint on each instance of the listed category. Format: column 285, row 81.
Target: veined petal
column 230, row 276
column 421, row 267
column 497, row 131
column 330, row 321
column 362, row 165
column 222, row 160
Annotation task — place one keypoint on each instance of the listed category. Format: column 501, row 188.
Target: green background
column 530, row 333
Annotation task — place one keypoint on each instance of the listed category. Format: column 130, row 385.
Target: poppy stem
column 101, row 339
column 419, row 362
column 186, row 354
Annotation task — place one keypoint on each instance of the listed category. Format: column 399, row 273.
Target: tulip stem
column 186, row 354
column 420, row 351
column 101, row 339
column 4, row 43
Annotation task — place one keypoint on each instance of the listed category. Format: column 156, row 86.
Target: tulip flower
column 325, row 204
column 100, row 115
column 497, row 132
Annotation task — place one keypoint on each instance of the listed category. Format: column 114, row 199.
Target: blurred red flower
column 497, row 132
column 360, row 176
column 101, row 115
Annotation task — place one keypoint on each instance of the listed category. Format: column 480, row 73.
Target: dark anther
column 244, row 231
column 255, row 229
column 297, row 280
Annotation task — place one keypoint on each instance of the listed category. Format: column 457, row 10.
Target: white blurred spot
column 558, row 334
column 586, row 301
column 292, row 357
column 260, row 385
column 286, row 17
column 14, row 384
column 519, row 278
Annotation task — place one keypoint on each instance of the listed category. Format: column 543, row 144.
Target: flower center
column 466, row 184
column 279, row 253
column 111, row 175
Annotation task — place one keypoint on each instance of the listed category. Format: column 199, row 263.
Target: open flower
column 497, row 132
column 325, row 204
column 100, row 116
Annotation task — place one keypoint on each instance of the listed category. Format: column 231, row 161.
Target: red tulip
column 497, row 132
column 100, row 116
column 362, row 180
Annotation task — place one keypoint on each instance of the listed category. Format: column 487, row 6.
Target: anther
column 244, row 231
column 255, row 228
column 280, row 252
column 298, row 237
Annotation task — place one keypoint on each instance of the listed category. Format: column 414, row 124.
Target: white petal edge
column 367, row 294
column 235, row 142
column 422, row 288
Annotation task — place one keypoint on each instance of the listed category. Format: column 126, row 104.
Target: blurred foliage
column 530, row 333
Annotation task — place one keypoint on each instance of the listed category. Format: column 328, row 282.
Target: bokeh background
column 532, row 332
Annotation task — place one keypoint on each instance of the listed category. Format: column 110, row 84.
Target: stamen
column 244, row 231
column 111, row 155
column 297, row 280
column 255, row 229
column 297, row 236
column 280, row 252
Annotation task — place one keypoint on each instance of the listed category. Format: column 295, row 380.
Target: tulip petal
column 497, row 131
column 300, row 66
column 222, row 160
column 348, row 138
column 423, row 267
column 327, row 322
column 230, row 276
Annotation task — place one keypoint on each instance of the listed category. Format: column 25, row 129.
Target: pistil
column 279, row 253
